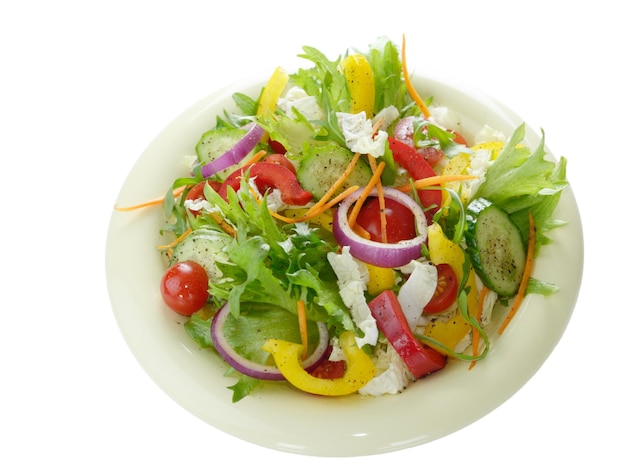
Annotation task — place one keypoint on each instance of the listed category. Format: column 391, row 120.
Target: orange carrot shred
column 409, row 85
column 304, row 335
column 177, row 241
column 381, row 201
column 256, row 157
column 433, row 181
column 475, row 333
column 152, row 202
column 337, row 184
column 528, row 267
column 366, row 191
column 225, row 225
column 318, row 209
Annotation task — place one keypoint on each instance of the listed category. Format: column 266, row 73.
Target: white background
column 85, row 86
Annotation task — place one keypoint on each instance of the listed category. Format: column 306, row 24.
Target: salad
column 341, row 234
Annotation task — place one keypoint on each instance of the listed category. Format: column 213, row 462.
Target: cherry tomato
column 280, row 159
column 400, row 220
column 330, row 370
column 445, row 292
column 185, row 287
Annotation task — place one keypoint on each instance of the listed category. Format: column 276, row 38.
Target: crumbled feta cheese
column 197, row 205
column 418, row 289
column 359, row 134
column 305, row 104
column 352, row 277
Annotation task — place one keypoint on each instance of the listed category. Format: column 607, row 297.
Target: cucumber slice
column 496, row 247
column 322, row 165
column 206, row 247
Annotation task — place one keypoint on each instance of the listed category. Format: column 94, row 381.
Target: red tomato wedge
column 330, row 370
column 420, row 359
column 446, row 290
column 400, row 220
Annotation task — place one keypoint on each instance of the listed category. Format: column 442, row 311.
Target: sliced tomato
column 445, row 292
column 420, row 359
column 400, row 220
column 330, row 370
column 280, row 159
column 418, row 168
column 277, row 146
column 268, row 176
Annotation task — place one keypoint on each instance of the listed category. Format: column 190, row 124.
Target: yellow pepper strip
column 323, row 219
column 380, row 279
column 443, row 250
column 272, row 91
column 360, row 78
column 359, row 367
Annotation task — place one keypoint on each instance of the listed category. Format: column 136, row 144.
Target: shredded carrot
column 409, row 85
column 152, row 202
column 381, row 201
column 304, row 335
column 475, row 332
column 366, row 191
column 256, row 157
column 337, row 184
column 177, row 241
column 225, row 225
column 528, row 267
column 318, row 209
column 433, row 181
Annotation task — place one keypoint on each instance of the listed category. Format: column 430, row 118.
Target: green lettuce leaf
column 521, row 181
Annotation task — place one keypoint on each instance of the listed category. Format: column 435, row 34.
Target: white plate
column 277, row 416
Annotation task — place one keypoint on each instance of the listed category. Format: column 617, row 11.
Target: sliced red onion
column 387, row 255
column 235, row 154
column 253, row 369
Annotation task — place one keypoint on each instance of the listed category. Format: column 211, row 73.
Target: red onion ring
column 236, row 153
column 253, row 369
column 386, row 255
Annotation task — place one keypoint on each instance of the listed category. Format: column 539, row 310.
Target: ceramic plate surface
column 277, row 416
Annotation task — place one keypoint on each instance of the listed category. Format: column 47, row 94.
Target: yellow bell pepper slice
column 443, row 250
column 360, row 79
column 272, row 91
column 323, row 219
column 359, row 367
column 380, row 279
